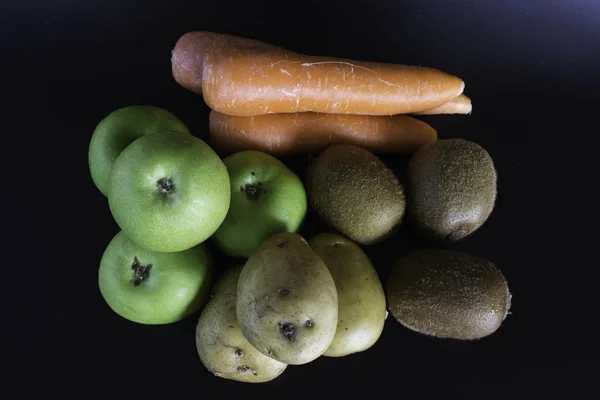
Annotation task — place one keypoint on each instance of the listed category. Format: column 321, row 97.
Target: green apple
column 266, row 198
column 118, row 130
column 153, row 288
column 168, row 191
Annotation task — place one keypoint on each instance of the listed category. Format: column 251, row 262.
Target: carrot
column 459, row 105
column 187, row 59
column 289, row 134
column 249, row 80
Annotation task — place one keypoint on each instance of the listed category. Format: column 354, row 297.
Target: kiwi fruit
column 448, row 294
column 355, row 193
column 452, row 189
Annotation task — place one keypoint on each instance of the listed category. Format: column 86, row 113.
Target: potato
column 361, row 299
column 287, row 304
column 222, row 347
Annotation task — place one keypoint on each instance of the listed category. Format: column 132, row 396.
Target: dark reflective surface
column 532, row 73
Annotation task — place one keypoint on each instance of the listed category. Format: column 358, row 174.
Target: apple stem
column 164, row 185
column 251, row 191
column 140, row 272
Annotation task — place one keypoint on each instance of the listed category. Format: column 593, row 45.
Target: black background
column 532, row 69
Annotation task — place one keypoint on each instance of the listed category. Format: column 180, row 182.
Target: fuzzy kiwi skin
column 355, row 193
column 220, row 343
column 448, row 294
column 452, row 189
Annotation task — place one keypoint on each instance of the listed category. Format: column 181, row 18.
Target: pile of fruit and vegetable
column 292, row 299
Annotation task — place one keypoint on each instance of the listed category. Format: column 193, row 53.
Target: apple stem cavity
column 140, row 272
column 165, row 186
column 252, row 192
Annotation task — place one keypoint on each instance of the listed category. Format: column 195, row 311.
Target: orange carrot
column 246, row 79
column 187, row 59
column 288, row 134
column 459, row 105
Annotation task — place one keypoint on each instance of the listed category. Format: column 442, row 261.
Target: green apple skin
column 175, row 286
column 169, row 191
column 266, row 198
column 118, row 130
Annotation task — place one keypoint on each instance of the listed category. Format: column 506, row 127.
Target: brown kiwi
column 452, row 188
column 355, row 193
column 448, row 294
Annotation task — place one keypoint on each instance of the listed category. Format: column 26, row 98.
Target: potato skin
column 287, row 303
column 361, row 299
column 222, row 347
